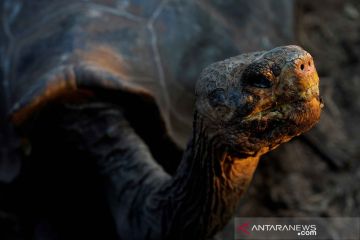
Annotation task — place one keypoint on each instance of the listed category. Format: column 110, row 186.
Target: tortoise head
column 256, row 101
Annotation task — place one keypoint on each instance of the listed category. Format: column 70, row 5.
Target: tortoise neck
column 207, row 185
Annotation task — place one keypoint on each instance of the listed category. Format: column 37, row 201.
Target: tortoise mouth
column 297, row 106
column 265, row 130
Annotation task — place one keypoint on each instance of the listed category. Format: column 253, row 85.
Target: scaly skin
column 245, row 107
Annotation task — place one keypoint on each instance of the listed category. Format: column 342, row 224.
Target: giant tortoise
column 100, row 99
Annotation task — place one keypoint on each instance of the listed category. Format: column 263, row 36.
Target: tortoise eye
column 260, row 81
column 217, row 97
column 259, row 75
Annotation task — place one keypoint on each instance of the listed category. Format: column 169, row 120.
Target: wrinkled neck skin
column 145, row 201
column 203, row 195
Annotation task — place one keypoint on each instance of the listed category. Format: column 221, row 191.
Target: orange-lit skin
column 240, row 171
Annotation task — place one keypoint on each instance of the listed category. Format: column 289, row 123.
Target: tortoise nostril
column 302, row 66
column 309, row 63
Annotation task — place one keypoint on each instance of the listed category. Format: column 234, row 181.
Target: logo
column 312, row 228
column 244, row 228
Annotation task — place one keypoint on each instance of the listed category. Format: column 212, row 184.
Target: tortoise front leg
column 130, row 173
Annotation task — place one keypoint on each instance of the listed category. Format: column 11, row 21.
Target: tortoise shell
column 149, row 49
